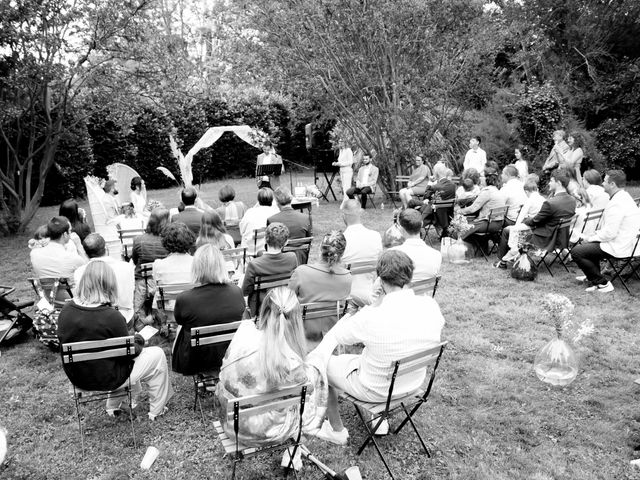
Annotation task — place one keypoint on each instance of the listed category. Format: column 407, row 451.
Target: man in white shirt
column 255, row 218
column 513, row 191
column 363, row 245
column 475, row 157
column 366, row 180
column 401, row 324
column 426, row 260
column 54, row 260
column 95, row 248
column 615, row 238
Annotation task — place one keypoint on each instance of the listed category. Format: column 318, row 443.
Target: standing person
column 366, row 180
column 615, row 238
column 345, row 162
column 475, row 157
column 574, row 162
column 110, row 200
column 521, row 164
column 138, row 196
column 418, row 181
column 559, row 153
column 231, row 212
column 193, row 309
column 401, row 324
column 191, row 216
column 269, row 157
column 91, row 315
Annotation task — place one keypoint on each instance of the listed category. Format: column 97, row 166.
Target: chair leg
column 617, row 275
column 370, row 437
column 80, row 428
column 133, row 432
column 416, row 430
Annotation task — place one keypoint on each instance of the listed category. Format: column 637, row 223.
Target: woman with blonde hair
column 324, row 281
column 268, row 356
column 194, row 309
column 90, row 315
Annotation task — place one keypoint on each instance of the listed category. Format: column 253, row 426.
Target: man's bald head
column 351, row 211
column 94, row 245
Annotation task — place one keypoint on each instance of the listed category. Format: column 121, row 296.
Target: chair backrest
column 402, row 178
column 258, row 234
column 497, row 214
column 427, row 358
column 428, row 285
column 359, row 268
column 436, row 204
column 76, row 352
column 593, row 216
column 267, row 402
column 128, row 234
column 213, row 334
column 298, row 245
column 264, row 283
column 558, row 238
column 236, row 255
column 511, row 209
column 315, row 310
column 169, row 292
column 50, row 289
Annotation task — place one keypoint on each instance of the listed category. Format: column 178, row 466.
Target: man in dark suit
column 559, row 205
column 191, row 215
column 297, row 223
column 442, row 189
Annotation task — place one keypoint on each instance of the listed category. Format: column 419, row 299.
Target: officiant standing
column 269, row 157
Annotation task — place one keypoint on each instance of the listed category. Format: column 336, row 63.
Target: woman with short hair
column 231, row 212
column 89, row 316
column 194, row 309
column 324, row 281
column 264, row 357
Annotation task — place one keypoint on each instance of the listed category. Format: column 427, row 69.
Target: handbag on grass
column 523, row 268
column 45, row 322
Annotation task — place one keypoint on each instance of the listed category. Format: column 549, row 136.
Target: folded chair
column 258, row 404
column 409, row 404
column 209, row 336
column 16, row 321
column 559, row 242
column 77, row 352
column 429, row 285
column 618, row 265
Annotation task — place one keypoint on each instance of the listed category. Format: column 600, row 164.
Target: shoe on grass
column 153, row 417
column 603, row 288
column 501, row 264
column 328, row 434
column 581, row 278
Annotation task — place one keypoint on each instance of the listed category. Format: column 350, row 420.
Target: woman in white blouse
column 576, row 142
column 345, row 162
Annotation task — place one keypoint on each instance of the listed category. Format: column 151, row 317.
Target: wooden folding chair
column 495, row 215
column 371, row 196
column 301, row 247
column 43, row 287
column 167, row 294
column 619, row 264
column 126, row 236
column 209, row 336
column 146, row 272
column 289, row 397
column 592, row 217
column 428, row 285
column 360, row 268
column 11, row 312
column 264, row 283
column 77, row 352
column 442, row 205
column 556, row 246
column 400, row 180
column 233, row 229
column 319, row 317
column 301, row 207
column 409, row 404
column 236, row 255
column 258, row 234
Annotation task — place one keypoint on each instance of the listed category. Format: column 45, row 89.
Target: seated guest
column 514, row 194
column 54, row 260
column 264, row 357
column 69, row 209
column 366, row 180
column 255, row 218
column 595, row 198
column 191, row 215
column 529, row 210
column 231, row 212
column 615, row 238
column 401, row 324
column 417, row 184
column 96, row 249
column 363, row 245
column 110, row 200
column 490, row 197
column 214, row 301
column 558, row 207
column 271, row 263
column 426, row 260
column 442, row 189
column 297, row 223
column 146, row 249
column 324, row 281
column 178, row 240
column 212, row 231
column 469, row 187
column 91, row 316
column 129, row 218
column 138, row 196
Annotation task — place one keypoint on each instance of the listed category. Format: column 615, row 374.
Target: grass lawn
column 489, row 417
